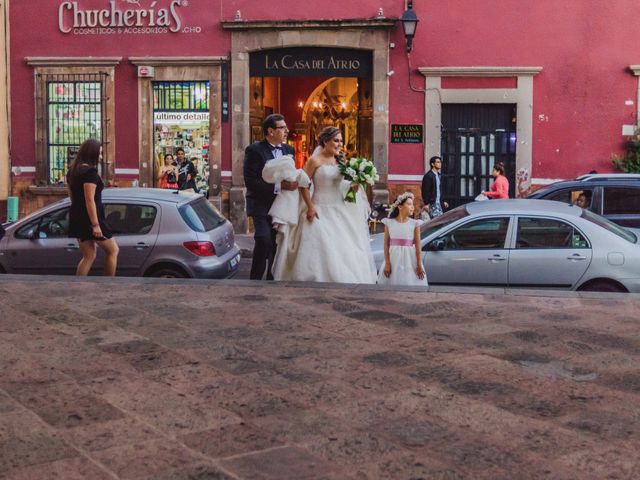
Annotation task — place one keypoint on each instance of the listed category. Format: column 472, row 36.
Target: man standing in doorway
column 260, row 194
column 432, row 189
column 186, row 172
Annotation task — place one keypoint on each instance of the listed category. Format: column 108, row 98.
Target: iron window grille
column 74, row 107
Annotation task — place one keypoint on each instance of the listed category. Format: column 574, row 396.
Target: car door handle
column 497, row 258
column 141, row 246
column 71, row 247
column 576, row 256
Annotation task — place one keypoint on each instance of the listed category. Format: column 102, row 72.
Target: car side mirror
column 435, row 245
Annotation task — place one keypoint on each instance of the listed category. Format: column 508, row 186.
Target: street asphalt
column 186, row 379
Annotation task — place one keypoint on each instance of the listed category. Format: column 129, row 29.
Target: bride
column 331, row 241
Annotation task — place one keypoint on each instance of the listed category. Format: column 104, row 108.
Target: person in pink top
column 500, row 187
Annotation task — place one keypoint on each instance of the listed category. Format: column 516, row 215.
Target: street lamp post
column 409, row 21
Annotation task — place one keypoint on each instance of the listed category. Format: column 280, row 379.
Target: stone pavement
column 160, row 379
column 245, row 242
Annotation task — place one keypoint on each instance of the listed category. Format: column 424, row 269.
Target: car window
column 130, row 219
column 442, row 221
column 28, row 230
column 51, row 225
column 621, row 201
column 609, row 225
column 548, row 233
column 485, row 233
column 577, row 196
column 200, row 215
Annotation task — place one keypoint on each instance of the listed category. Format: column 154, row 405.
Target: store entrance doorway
column 181, row 120
column 314, row 88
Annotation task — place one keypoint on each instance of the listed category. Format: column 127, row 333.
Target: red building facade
column 549, row 90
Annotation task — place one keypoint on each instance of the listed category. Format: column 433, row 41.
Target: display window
column 181, row 120
column 75, row 113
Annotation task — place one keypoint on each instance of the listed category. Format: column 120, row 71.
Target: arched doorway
column 251, row 37
column 311, row 103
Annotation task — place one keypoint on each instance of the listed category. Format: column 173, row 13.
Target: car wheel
column 602, row 286
column 168, row 272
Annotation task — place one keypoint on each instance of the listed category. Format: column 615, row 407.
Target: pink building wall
column 35, row 33
column 582, row 97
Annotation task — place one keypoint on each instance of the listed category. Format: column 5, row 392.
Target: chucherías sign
column 123, row 16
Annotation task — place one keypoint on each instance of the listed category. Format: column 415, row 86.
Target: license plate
column 233, row 263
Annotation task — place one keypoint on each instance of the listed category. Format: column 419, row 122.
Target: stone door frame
column 521, row 96
column 251, row 36
column 180, row 69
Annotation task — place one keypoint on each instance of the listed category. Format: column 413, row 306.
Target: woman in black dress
column 86, row 216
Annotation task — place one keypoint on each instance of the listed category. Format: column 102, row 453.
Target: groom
column 260, row 194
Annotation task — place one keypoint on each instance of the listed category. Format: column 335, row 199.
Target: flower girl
column 402, row 255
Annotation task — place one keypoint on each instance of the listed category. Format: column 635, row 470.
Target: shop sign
column 124, row 17
column 406, row 133
column 177, row 118
column 311, row 61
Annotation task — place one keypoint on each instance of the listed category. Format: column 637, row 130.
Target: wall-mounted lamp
column 409, row 21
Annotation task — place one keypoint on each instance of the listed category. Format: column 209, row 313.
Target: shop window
column 75, row 111
column 181, row 120
column 73, row 103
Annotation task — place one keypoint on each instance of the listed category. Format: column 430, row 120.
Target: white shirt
column 276, row 151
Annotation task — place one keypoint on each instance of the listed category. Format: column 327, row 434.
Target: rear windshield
column 200, row 215
column 608, row 225
column 437, row 223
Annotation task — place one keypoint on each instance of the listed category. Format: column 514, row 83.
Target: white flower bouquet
column 357, row 170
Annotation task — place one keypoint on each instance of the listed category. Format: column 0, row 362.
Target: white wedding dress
column 333, row 247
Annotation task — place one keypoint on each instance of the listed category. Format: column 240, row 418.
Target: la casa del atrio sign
column 311, row 61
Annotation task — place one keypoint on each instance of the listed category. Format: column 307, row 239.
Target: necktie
column 276, row 151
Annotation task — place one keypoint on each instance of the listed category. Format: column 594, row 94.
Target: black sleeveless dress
column 79, row 223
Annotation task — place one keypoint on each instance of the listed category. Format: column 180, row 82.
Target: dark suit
column 260, row 196
column 429, row 188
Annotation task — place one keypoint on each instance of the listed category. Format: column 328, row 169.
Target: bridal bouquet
column 357, row 170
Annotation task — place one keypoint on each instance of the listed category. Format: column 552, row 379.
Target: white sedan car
column 529, row 244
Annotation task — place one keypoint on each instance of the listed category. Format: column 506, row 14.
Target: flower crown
column 401, row 198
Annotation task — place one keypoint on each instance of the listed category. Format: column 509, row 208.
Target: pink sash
column 400, row 242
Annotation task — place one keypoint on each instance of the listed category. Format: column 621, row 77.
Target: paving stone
column 105, row 435
column 7, row 404
column 168, row 411
column 24, row 441
column 267, row 380
column 354, row 448
column 194, row 472
column 297, row 425
column 78, row 468
column 64, row 404
column 259, row 404
column 152, row 459
column 230, row 440
column 278, row 464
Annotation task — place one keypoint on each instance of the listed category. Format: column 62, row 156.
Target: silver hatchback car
column 527, row 244
column 160, row 233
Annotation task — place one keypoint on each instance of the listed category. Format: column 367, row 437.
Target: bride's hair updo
column 327, row 133
column 394, row 208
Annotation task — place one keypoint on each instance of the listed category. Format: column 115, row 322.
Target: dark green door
column 474, row 138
